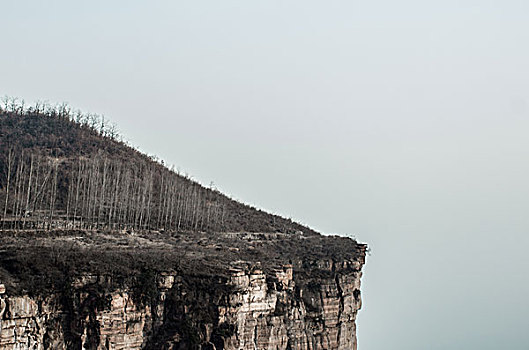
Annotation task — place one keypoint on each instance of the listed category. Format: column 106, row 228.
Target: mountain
column 103, row 247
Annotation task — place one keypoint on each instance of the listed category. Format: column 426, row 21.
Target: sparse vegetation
column 61, row 168
column 42, row 262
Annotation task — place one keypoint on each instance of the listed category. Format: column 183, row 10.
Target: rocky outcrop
column 318, row 312
column 304, row 305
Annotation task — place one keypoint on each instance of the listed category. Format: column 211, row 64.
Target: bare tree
column 9, row 165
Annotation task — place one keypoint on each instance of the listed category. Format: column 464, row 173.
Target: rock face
column 304, row 305
column 316, row 313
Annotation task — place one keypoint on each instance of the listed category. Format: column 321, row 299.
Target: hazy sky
column 404, row 123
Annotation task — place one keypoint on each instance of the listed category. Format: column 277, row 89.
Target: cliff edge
column 102, row 247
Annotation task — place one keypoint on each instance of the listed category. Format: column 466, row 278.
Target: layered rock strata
column 247, row 309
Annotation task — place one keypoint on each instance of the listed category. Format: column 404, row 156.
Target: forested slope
column 65, row 169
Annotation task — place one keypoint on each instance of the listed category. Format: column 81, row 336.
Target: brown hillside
column 69, row 170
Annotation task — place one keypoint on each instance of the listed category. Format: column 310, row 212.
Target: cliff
column 286, row 292
column 102, row 247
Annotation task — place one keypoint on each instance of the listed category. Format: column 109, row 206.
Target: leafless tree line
column 95, row 122
column 100, row 192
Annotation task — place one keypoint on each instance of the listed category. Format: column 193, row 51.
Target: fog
column 403, row 124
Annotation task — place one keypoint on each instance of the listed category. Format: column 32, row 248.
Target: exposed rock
column 247, row 309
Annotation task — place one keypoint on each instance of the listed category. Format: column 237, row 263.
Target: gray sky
column 403, row 123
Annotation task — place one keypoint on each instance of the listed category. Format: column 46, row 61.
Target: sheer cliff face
column 307, row 305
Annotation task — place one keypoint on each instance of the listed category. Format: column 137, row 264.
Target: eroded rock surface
column 306, row 301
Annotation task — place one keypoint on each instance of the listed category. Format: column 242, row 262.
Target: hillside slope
column 61, row 170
